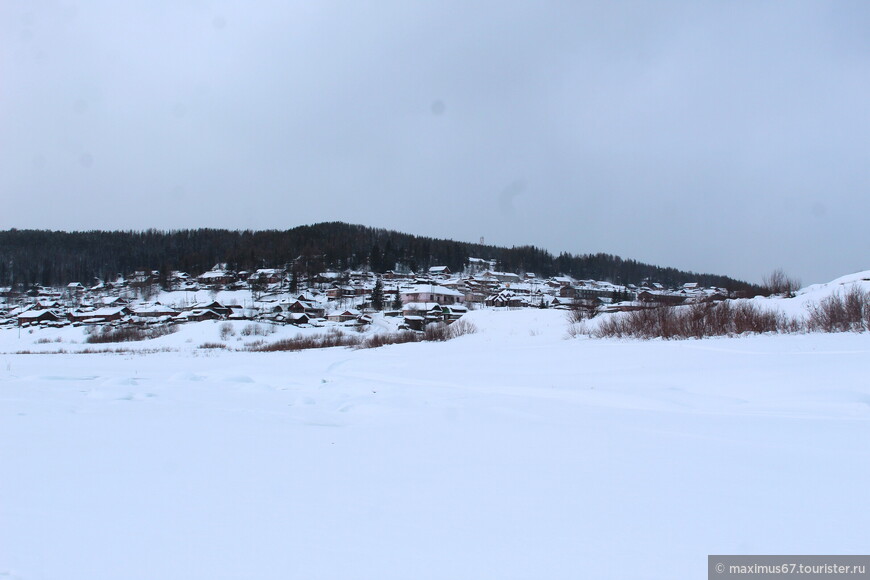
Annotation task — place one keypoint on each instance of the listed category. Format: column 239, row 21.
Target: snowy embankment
column 814, row 295
column 510, row 453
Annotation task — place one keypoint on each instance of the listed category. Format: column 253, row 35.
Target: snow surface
column 512, row 453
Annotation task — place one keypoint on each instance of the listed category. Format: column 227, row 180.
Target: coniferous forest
column 52, row 258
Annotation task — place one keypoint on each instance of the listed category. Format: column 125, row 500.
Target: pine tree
column 378, row 295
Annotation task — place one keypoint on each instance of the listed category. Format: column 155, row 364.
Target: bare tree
column 778, row 282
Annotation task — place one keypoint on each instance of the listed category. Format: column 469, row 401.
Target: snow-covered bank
column 510, row 453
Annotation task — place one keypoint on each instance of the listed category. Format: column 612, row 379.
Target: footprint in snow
column 187, row 377
column 136, row 397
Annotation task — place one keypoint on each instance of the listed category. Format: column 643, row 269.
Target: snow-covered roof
column 426, row 306
column 160, row 308
column 111, row 299
column 207, row 305
column 346, row 312
column 100, row 312
column 197, row 312
column 431, row 289
column 214, row 274
column 33, row 314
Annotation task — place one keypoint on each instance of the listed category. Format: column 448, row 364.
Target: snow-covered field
column 511, row 453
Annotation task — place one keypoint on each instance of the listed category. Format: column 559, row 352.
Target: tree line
column 53, row 258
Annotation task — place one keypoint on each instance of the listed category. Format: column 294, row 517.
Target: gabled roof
column 152, row 308
column 36, row 314
column 107, row 300
column 426, row 306
column 207, row 305
column 197, row 312
column 214, row 274
column 431, row 289
column 101, row 312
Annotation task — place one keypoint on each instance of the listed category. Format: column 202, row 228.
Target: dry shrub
column 846, row 312
column 212, row 345
column 257, row 330
column 384, row 339
column 226, row 331
column 128, row 334
column 576, row 329
column 436, row 332
column 581, row 311
column 102, row 351
column 694, row 321
column 305, row 342
column 461, row 327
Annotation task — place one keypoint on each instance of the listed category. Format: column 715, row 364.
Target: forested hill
column 55, row 258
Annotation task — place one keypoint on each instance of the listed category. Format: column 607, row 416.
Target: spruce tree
column 378, row 295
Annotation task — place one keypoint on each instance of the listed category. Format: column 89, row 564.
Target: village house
column 219, row 275
column 660, row 297
column 155, row 310
column 431, row 293
column 114, row 301
column 197, row 315
column 309, row 308
column 344, row 315
column 503, row 277
column 453, row 312
column 99, row 315
column 214, row 306
column 298, row 318
column 558, row 281
column 267, row 276
column 34, row 316
column 439, row 271
column 419, row 314
column 421, row 309
column 506, row 298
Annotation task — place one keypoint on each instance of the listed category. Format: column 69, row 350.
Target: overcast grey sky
column 725, row 137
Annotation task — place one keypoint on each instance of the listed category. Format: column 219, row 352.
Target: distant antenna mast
column 481, row 240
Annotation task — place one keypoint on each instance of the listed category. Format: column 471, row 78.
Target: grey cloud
column 709, row 136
